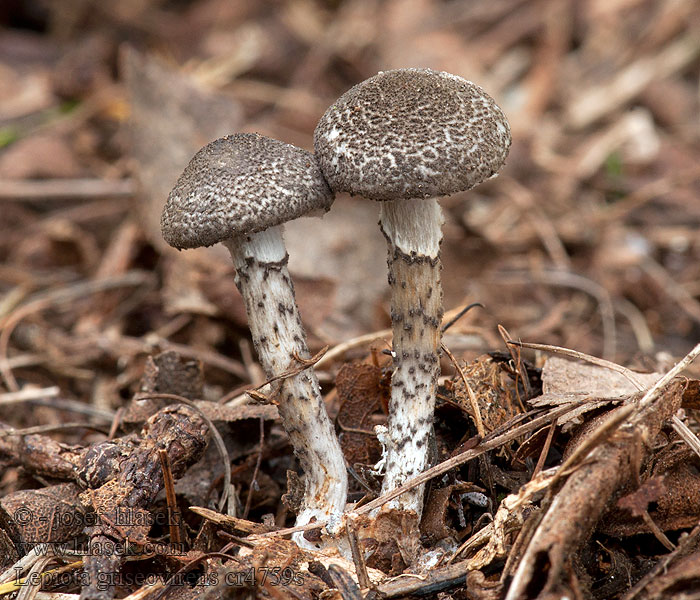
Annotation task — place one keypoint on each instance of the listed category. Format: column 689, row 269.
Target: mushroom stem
column 413, row 232
column 273, row 317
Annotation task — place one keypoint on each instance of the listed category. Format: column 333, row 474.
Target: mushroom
column 238, row 190
column 406, row 137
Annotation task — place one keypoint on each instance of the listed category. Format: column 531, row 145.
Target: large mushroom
column 406, row 137
column 238, row 190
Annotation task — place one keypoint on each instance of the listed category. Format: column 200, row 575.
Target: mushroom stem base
column 413, row 232
column 273, row 317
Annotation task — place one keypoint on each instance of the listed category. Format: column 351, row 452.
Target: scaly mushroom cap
column 411, row 133
column 241, row 184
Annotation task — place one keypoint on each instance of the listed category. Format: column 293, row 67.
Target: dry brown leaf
column 670, row 495
column 493, row 397
column 563, row 376
column 638, row 501
column 433, row 523
column 362, row 390
column 56, row 515
column 592, row 386
column 183, row 281
column 393, row 536
column 45, row 155
column 171, row 118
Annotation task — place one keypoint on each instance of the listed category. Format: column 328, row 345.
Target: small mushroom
column 405, row 137
column 238, row 190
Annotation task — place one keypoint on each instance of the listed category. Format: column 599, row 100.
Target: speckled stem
column 413, row 229
column 264, row 282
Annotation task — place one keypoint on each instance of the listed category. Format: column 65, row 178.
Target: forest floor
column 566, row 458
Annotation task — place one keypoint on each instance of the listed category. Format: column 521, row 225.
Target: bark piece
column 40, row 454
column 165, row 373
column 433, row 524
column 42, row 516
column 124, row 478
column 576, row 509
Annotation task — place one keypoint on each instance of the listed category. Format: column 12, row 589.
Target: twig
column 65, row 189
column 174, row 516
column 304, row 363
column 357, row 556
column 658, row 533
column 116, row 421
column 29, row 394
column 255, row 392
column 519, row 365
column 464, row 457
column 459, row 315
column 287, row 531
column 470, row 393
column 74, row 406
column 686, row 434
column 51, row 428
column 657, row 388
column 357, row 342
column 247, row 527
column 545, row 449
column 337, row 351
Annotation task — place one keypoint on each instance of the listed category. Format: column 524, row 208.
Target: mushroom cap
column 241, row 184
column 411, row 133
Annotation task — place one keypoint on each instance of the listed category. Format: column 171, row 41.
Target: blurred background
column 589, row 238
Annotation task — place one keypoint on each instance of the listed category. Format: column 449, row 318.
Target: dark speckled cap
column 241, row 184
column 411, row 133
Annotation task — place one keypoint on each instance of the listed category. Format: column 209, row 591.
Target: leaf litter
column 588, row 240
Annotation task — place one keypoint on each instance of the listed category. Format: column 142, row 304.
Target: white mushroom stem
column 273, row 317
column 413, row 229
